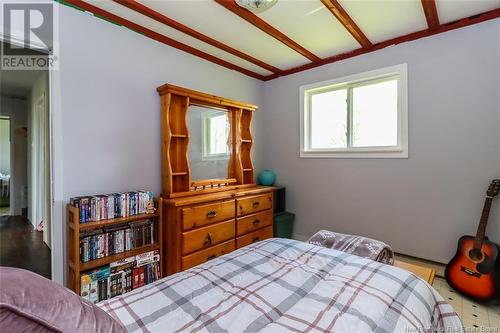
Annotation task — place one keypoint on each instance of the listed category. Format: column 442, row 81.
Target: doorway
column 4, row 165
column 25, row 228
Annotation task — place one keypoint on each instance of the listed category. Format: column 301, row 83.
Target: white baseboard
column 413, row 260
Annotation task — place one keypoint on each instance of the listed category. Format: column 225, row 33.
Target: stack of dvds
column 121, row 276
column 114, row 205
column 95, row 284
column 101, row 243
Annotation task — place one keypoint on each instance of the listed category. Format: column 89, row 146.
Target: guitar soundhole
column 475, row 254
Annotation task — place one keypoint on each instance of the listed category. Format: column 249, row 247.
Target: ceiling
column 18, row 83
column 293, row 35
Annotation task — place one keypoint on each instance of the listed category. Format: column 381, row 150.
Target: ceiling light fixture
column 256, row 6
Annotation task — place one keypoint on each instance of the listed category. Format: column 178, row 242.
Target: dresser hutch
column 205, row 216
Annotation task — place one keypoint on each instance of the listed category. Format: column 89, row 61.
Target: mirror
column 209, row 143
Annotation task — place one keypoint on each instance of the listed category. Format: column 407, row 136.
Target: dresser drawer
column 254, row 204
column 255, row 236
column 253, row 222
column 202, row 256
column 200, row 215
column 208, row 236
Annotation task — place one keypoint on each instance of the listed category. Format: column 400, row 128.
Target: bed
column 285, row 285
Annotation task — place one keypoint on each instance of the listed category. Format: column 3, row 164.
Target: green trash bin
column 283, row 224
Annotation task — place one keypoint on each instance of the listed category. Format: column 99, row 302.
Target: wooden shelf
column 109, row 259
column 75, row 228
column 175, row 108
column 120, row 220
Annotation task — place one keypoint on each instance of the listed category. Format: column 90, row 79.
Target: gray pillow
column 32, row 303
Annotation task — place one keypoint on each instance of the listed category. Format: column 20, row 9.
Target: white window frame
column 398, row 151
column 206, row 142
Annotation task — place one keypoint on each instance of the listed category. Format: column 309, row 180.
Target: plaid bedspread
column 282, row 285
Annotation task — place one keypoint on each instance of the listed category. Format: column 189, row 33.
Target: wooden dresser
column 205, row 218
column 203, row 227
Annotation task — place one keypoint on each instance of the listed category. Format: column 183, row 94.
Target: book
column 94, row 284
column 100, row 243
column 109, row 206
column 147, row 257
column 85, row 282
column 120, row 276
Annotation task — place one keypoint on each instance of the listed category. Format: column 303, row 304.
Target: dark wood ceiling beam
column 431, row 14
column 266, row 27
column 336, row 9
column 144, row 10
column 490, row 15
column 475, row 19
column 159, row 37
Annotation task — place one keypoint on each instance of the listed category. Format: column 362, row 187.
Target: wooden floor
column 23, row 247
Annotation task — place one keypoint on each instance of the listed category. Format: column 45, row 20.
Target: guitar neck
column 481, row 229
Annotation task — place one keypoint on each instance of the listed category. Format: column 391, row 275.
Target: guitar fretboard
column 481, row 229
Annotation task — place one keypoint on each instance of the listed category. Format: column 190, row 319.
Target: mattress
column 281, row 285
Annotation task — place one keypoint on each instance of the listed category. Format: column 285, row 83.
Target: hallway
column 22, row 246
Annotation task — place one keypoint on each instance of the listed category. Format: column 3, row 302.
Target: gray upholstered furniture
column 32, row 303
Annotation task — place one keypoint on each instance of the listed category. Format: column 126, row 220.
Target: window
column 215, row 133
column 363, row 115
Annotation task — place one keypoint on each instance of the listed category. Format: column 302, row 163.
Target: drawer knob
column 211, row 257
column 211, row 214
column 256, row 204
column 256, row 222
column 256, row 239
column 208, row 240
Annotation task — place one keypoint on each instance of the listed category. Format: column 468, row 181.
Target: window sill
column 215, row 158
column 355, row 154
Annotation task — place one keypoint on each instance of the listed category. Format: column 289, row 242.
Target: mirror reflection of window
column 215, row 135
column 209, row 143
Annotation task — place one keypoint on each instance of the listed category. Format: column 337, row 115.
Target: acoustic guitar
column 472, row 270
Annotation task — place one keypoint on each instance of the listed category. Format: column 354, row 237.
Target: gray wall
column 106, row 116
column 111, row 110
column 106, row 96
column 419, row 205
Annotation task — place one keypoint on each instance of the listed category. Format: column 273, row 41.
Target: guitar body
column 474, row 270
column 471, row 272
column 497, row 273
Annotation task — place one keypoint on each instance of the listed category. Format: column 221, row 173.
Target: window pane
column 375, row 115
column 329, row 119
column 219, row 129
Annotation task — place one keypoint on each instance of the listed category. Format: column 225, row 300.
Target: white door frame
column 57, row 207
column 35, row 165
column 40, row 166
